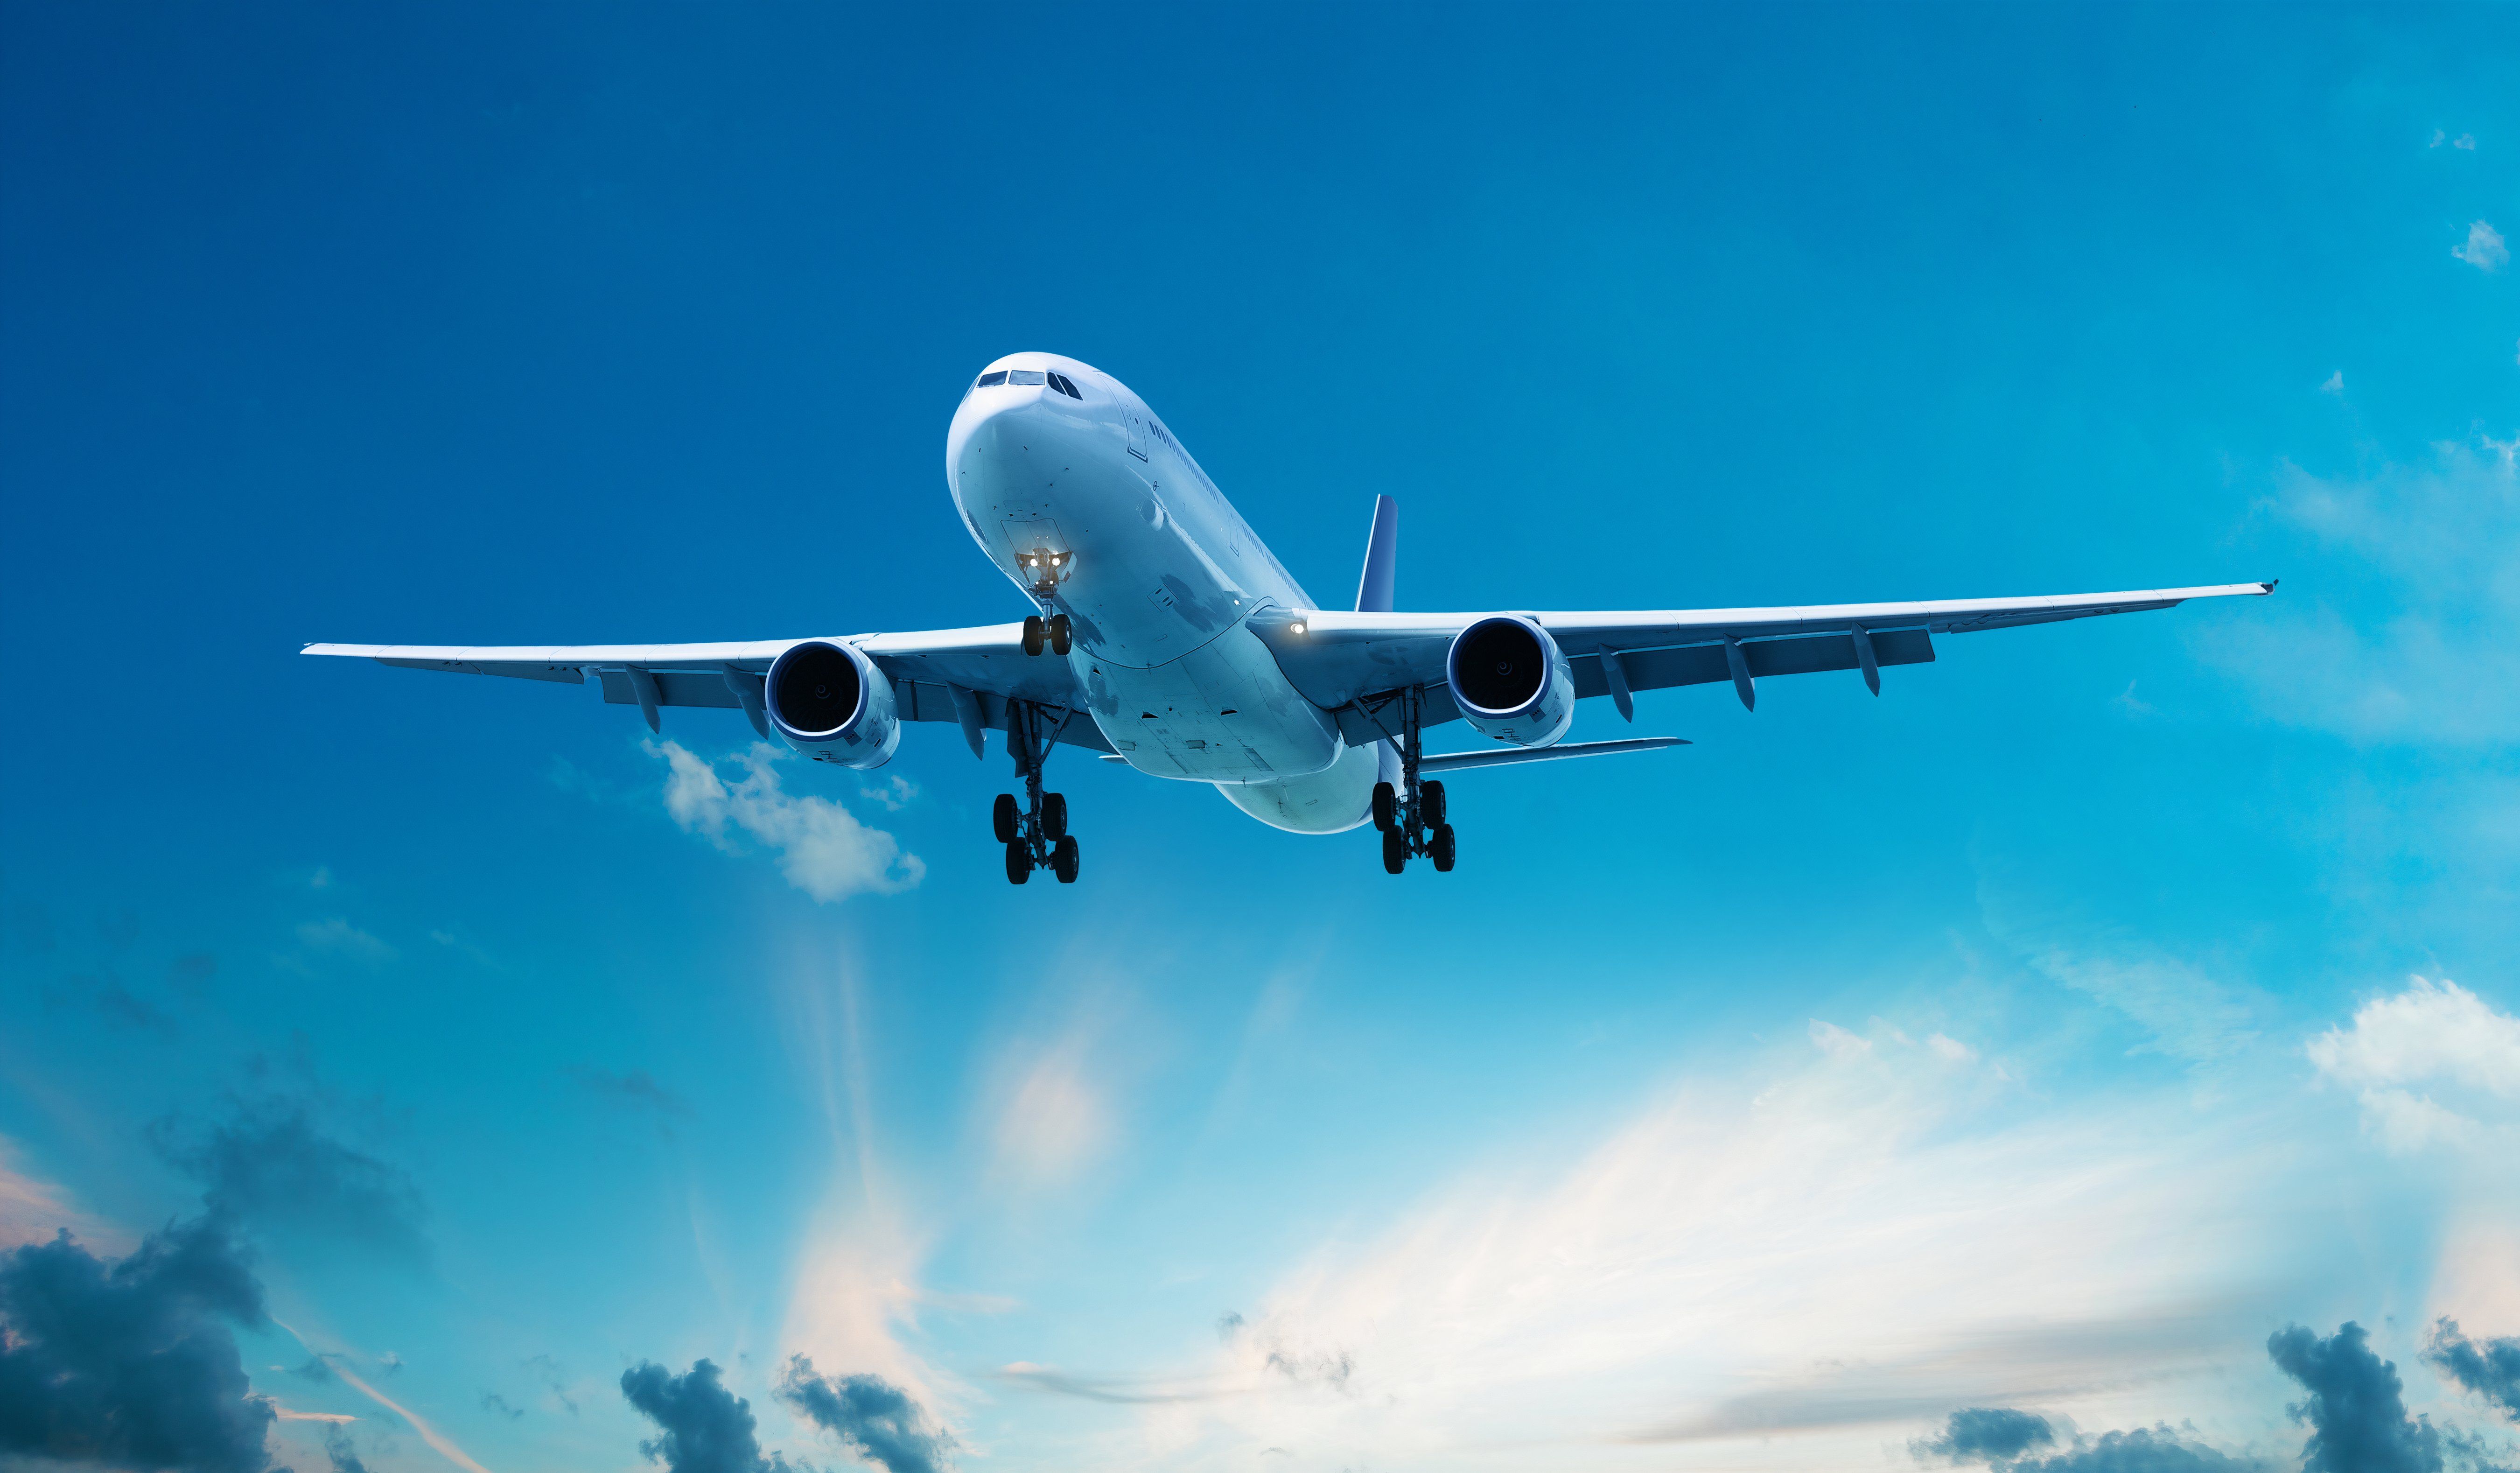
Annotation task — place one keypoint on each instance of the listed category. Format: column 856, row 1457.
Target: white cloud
column 2335, row 383
column 2431, row 655
column 1793, row 1266
column 2466, row 141
column 2483, row 250
column 2436, row 1036
column 336, row 936
column 823, row 848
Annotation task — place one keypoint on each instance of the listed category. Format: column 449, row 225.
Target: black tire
column 1430, row 807
column 1061, row 636
column 1395, row 851
column 1387, row 807
column 1062, row 860
column 1054, row 816
column 1018, row 862
column 1034, row 634
column 1440, row 849
column 1008, row 819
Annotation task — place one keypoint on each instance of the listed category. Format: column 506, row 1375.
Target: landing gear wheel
column 1395, row 850
column 1034, row 634
column 1018, row 862
column 1060, row 635
column 1008, row 819
column 1440, row 849
column 1054, row 816
column 1387, row 807
column 1062, row 860
column 1430, row 805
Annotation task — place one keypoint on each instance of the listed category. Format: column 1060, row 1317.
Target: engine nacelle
column 1512, row 681
column 832, row 703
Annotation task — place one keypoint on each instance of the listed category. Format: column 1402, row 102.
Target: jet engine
column 832, row 703
column 1512, row 681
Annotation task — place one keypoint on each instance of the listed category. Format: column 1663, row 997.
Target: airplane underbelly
column 1333, row 800
column 1224, row 713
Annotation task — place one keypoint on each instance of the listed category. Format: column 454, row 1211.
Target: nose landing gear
column 1035, row 834
column 1410, row 816
column 1054, row 634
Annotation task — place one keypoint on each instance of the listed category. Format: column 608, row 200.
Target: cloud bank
column 2406, row 1055
column 823, row 849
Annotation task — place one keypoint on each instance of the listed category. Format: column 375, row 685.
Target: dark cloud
column 341, row 1450
column 107, row 997
column 549, row 1369
column 132, row 1364
column 702, row 1426
column 2153, row 1450
column 191, row 973
column 274, row 1167
column 1986, row 1434
column 315, row 1370
column 2356, row 1409
column 637, row 1089
column 391, row 1361
column 491, row 1401
column 874, row 1419
column 2491, row 1369
column 1228, row 1325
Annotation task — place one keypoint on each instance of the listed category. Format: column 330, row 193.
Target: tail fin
column 1382, row 554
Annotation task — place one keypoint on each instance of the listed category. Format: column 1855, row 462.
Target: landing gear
column 1035, row 833
column 1054, row 634
column 1412, row 814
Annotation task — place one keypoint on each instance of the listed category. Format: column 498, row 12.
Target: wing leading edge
column 927, row 668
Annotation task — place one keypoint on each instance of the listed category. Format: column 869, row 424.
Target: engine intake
column 832, row 703
column 1512, row 681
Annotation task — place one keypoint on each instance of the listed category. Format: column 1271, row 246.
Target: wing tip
column 2267, row 585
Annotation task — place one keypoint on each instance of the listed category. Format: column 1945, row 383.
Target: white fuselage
column 1091, row 505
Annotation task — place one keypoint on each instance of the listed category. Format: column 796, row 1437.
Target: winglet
column 2269, row 584
column 1374, row 590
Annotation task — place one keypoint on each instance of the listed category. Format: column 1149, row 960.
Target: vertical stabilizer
column 1381, row 553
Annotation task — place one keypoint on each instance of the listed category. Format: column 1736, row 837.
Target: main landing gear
column 1412, row 814
column 1053, row 633
column 1036, row 833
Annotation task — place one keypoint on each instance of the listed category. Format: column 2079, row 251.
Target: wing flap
column 1704, row 664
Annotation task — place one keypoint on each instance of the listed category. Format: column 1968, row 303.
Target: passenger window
column 992, row 381
column 1025, row 377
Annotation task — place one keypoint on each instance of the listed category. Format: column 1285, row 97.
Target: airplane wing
column 926, row 668
column 1353, row 663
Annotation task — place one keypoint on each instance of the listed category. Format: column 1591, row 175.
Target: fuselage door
column 1137, row 429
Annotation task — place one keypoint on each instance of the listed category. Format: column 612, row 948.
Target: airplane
column 1169, row 639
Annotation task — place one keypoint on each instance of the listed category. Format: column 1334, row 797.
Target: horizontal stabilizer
column 1454, row 762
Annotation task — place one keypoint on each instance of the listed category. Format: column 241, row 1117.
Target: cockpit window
column 992, row 381
column 1025, row 377
column 1060, row 382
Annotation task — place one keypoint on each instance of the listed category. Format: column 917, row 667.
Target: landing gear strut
column 1036, row 835
column 1412, row 814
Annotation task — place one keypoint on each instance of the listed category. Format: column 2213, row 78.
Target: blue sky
column 2043, row 1035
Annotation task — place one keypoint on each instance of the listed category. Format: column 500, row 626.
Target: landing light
column 1296, row 628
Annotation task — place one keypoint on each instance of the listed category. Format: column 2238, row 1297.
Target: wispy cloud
column 2483, row 248
column 823, row 849
column 2428, row 655
column 1878, row 1231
